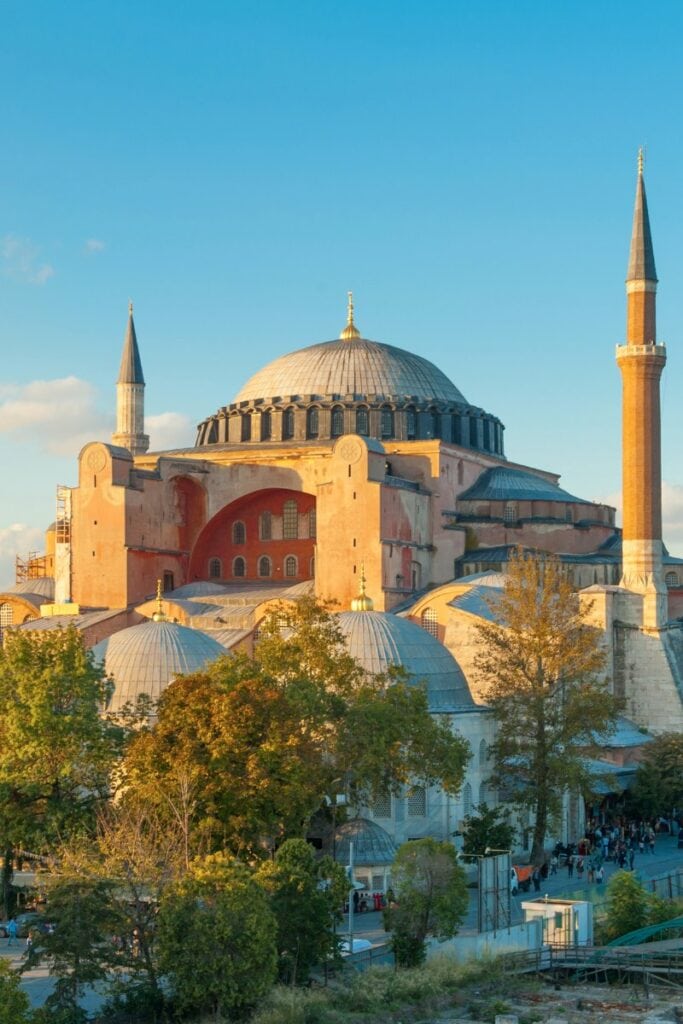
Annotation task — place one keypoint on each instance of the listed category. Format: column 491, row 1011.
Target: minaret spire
column 130, row 395
column 641, row 361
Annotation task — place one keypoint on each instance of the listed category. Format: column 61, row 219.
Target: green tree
column 305, row 894
column 14, row 1003
column 488, row 828
column 217, row 939
column 431, row 898
column 658, row 784
column 628, row 905
column 543, row 666
column 56, row 750
column 260, row 741
column 82, row 910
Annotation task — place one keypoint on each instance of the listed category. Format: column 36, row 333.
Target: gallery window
column 312, row 423
column 387, row 422
column 239, row 567
column 266, row 425
column 215, row 569
column 290, row 566
column 290, row 521
column 246, row 427
column 239, row 533
column 265, row 526
column 337, row 421
column 288, row 424
column 264, row 566
column 362, row 422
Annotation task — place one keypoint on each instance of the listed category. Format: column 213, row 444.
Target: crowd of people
column 616, row 843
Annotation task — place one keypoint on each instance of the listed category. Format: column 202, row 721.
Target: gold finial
column 350, row 331
column 159, row 613
column 130, row 307
column 362, row 603
column 641, row 160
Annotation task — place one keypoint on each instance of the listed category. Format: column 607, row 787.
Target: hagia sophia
column 358, row 472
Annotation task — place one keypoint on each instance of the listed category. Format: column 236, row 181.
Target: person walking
column 599, row 875
column 11, row 932
column 553, row 864
column 631, row 858
column 570, row 866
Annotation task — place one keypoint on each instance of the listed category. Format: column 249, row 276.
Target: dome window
column 671, row 579
column 362, row 422
column 430, row 622
column 387, row 422
column 290, row 566
column 290, row 521
column 337, row 421
column 510, row 512
column 265, row 526
column 288, row 425
column 215, row 569
column 312, row 419
column 6, row 617
column 417, row 802
column 266, row 425
column 264, row 566
column 411, row 424
column 246, row 427
column 239, row 567
column 456, row 431
column 239, row 533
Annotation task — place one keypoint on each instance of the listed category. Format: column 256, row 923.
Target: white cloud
column 169, row 430
column 94, row 245
column 17, row 539
column 20, row 261
column 60, row 415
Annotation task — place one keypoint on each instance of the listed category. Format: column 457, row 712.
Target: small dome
column 379, row 640
column 351, row 366
column 372, row 845
column 146, row 658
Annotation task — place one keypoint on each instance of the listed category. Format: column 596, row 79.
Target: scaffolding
column 32, row 568
column 63, row 520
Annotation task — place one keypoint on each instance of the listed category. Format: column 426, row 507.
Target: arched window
column 312, row 419
column 239, row 567
column 6, row 617
column 264, row 566
column 288, row 424
column 417, row 802
column 290, row 521
column 266, row 425
column 312, row 524
column 467, row 799
column 387, row 422
column 510, row 512
column 337, row 421
column 436, row 423
column 382, row 806
column 215, row 569
column 239, row 533
column 671, row 579
column 362, row 422
column 483, row 753
column 265, row 526
column 246, row 427
column 290, row 566
column 430, row 622
column 411, row 423
column 456, row 432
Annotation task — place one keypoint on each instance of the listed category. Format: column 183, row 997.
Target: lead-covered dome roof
column 144, row 659
column 380, row 640
column 356, row 367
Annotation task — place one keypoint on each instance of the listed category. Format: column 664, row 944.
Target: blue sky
column 468, row 169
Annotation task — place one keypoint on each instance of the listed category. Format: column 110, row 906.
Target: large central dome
column 357, row 367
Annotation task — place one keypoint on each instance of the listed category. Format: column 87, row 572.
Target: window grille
column 417, row 802
column 215, row 569
column 264, row 566
column 290, row 566
column 239, row 567
column 510, row 512
column 290, row 521
column 430, row 622
column 671, row 579
column 382, row 806
column 337, row 421
column 362, row 422
column 239, row 533
column 6, row 617
column 312, row 524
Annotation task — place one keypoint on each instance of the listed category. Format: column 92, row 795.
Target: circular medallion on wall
column 96, row 459
column 350, row 449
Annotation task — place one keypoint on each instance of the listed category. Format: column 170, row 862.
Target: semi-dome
column 357, row 367
column 380, row 640
column 144, row 659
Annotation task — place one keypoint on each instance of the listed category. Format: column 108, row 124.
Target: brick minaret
column 130, row 396
column 641, row 361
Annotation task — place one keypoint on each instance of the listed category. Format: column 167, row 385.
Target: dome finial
column 362, row 603
column 350, row 331
column 159, row 613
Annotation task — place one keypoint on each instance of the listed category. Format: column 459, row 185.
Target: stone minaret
column 641, row 361
column 130, row 396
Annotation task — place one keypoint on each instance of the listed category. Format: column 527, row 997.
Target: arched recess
column 216, row 538
column 189, row 510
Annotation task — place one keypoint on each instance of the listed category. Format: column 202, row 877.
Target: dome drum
column 312, row 418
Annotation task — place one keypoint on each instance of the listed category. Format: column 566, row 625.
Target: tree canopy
column 658, row 784
column 56, row 751
column 245, row 752
column 543, row 665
